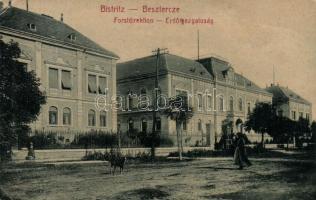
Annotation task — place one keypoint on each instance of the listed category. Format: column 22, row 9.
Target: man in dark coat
column 240, row 155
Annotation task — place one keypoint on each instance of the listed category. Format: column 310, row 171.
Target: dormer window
column 32, row 27
column 72, row 37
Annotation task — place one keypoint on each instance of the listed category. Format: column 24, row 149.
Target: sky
column 255, row 36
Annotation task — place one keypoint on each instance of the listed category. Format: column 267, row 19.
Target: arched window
column 130, row 125
column 231, row 103
column 221, row 103
column 199, row 125
column 53, row 115
column 103, row 119
column 66, row 116
column 158, row 124
column 240, row 104
column 91, row 118
column 144, row 125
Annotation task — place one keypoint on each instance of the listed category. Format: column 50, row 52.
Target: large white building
column 72, row 69
column 220, row 97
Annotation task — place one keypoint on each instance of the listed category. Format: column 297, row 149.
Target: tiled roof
column 167, row 63
column 48, row 27
column 219, row 68
column 285, row 93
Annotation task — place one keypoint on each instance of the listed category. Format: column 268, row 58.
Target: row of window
column 144, row 125
column 53, row 117
column 293, row 113
column 61, row 79
column 221, row 103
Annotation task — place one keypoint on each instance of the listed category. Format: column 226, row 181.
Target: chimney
column 27, row 5
column 10, row 3
column 62, row 17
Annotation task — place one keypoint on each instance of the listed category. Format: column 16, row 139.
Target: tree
column 20, row 96
column 179, row 111
column 260, row 119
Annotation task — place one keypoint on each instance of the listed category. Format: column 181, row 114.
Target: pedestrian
column 240, row 155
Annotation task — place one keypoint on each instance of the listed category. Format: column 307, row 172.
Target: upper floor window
column 231, row 104
column 66, row 80
column 97, row 84
column 182, row 93
column 102, row 85
column 53, row 115
column 240, row 104
column 66, row 116
column 92, row 84
column 200, row 101
column 53, row 78
column 32, row 27
column 209, row 102
column 221, row 103
column 91, row 118
column 103, row 119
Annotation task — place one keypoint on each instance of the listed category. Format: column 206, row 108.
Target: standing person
column 240, row 155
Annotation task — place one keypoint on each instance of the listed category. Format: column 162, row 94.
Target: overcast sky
column 252, row 35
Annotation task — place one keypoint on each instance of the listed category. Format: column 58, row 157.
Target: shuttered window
column 66, row 80
column 53, row 78
column 92, row 84
column 102, row 85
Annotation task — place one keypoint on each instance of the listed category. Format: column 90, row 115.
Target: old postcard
column 157, row 99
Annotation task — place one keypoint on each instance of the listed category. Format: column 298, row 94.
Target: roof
column 285, row 93
column 48, row 27
column 167, row 63
column 219, row 68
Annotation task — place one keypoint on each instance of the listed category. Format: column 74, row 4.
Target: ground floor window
column 103, row 119
column 66, row 116
column 144, row 125
column 91, row 118
column 53, row 115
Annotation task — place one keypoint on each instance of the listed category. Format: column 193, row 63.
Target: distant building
column 289, row 104
column 72, row 71
column 221, row 98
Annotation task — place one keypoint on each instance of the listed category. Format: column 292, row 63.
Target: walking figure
column 240, row 155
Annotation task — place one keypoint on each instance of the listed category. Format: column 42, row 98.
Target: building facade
column 72, row 70
column 220, row 98
column 289, row 104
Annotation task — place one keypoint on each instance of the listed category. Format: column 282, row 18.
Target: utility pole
column 155, row 102
column 198, row 45
column 27, row 5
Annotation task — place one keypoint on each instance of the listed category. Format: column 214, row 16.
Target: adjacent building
column 220, row 97
column 72, row 69
column 289, row 104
